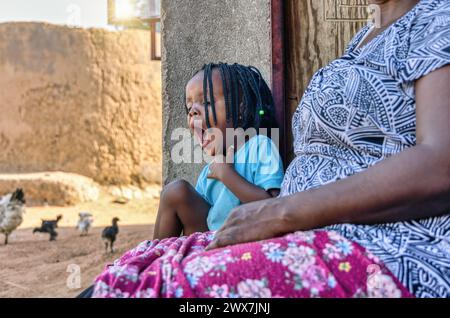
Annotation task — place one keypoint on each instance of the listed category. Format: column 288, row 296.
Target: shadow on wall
column 85, row 101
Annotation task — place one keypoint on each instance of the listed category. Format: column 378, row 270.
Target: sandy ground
column 31, row 266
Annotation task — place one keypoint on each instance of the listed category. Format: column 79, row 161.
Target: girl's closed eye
column 188, row 107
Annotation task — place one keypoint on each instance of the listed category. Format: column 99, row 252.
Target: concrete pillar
column 196, row 32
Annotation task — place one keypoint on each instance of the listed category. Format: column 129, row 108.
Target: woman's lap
column 303, row 264
column 416, row 252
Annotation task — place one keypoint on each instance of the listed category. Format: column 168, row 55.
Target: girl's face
column 209, row 141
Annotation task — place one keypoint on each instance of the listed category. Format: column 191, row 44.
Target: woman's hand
column 255, row 222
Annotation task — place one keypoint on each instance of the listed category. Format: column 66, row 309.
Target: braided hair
column 248, row 99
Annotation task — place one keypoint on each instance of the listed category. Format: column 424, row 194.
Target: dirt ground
column 31, row 266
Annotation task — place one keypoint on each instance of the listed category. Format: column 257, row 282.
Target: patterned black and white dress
column 360, row 110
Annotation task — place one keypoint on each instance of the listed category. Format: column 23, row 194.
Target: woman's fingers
column 229, row 233
column 233, row 235
column 222, row 239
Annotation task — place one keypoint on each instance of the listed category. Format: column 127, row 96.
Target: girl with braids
column 221, row 97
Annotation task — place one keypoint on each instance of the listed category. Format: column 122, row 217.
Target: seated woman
column 364, row 207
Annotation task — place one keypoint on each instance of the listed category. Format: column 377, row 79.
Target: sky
column 84, row 13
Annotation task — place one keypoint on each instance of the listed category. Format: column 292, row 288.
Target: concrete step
column 51, row 188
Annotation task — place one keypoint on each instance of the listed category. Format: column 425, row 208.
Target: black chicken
column 109, row 235
column 49, row 226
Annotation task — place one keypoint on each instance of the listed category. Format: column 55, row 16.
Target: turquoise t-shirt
column 258, row 161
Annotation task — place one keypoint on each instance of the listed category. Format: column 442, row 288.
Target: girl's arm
column 245, row 191
column 414, row 184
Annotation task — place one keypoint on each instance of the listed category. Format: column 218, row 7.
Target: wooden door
column 316, row 32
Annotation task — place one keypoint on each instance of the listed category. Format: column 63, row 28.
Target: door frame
column 279, row 72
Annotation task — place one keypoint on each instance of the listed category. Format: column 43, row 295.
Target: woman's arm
column 414, row 184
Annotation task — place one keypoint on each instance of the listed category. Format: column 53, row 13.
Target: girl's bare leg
column 181, row 209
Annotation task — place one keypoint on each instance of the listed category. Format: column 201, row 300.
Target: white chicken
column 12, row 208
column 84, row 223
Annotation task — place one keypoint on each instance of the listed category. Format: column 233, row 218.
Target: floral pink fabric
column 303, row 264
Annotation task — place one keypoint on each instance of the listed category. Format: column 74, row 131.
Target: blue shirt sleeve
column 268, row 168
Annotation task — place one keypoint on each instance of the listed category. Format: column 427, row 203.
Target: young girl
column 221, row 97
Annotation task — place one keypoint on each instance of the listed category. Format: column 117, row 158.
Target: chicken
column 109, row 235
column 12, row 208
column 84, row 223
column 49, row 226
